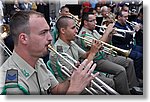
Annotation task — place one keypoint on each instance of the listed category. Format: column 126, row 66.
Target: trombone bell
column 4, row 31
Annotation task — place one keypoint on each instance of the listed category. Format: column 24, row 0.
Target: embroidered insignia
column 59, row 49
column 11, row 76
column 25, row 73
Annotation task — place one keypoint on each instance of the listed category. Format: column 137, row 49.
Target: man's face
column 98, row 9
column 65, row 12
column 91, row 22
column 39, row 36
column 124, row 17
column 105, row 13
column 125, row 8
column 70, row 31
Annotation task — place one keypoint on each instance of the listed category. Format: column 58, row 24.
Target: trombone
column 6, row 49
column 3, row 34
column 74, row 17
column 4, row 30
column 91, row 90
column 109, row 47
column 77, row 21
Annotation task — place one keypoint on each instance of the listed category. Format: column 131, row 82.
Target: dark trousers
column 137, row 55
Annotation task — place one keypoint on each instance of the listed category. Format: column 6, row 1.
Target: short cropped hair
column 85, row 16
column 119, row 13
column 19, row 23
column 62, row 22
column 63, row 8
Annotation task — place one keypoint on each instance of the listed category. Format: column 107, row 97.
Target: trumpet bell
column 4, row 31
column 123, row 52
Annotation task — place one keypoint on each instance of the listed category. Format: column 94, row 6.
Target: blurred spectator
column 93, row 3
column 9, row 9
column 25, row 5
column 1, row 13
column 98, row 11
column 64, row 11
column 43, row 7
column 86, row 6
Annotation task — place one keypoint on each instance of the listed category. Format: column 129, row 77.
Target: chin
column 44, row 53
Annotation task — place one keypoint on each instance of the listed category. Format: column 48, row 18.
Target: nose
column 49, row 37
column 76, row 31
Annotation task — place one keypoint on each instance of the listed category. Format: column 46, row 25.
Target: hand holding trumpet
column 95, row 46
column 110, row 29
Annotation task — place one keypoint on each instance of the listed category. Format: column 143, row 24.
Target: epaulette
column 11, row 81
column 11, row 76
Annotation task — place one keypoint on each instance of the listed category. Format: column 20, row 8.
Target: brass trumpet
column 136, row 26
column 4, row 32
column 111, row 47
column 104, row 27
column 91, row 90
column 118, row 30
column 132, row 23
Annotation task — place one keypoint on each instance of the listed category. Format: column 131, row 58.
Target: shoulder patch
column 11, row 76
column 59, row 49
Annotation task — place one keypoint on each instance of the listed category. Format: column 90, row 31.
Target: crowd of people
column 82, row 41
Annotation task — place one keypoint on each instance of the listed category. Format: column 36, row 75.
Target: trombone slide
column 96, row 78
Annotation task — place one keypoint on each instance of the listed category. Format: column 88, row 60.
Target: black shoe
column 136, row 91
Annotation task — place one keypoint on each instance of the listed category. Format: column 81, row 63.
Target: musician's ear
column 62, row 30
column 23, row 38
column 85, row 22
column 119, row 16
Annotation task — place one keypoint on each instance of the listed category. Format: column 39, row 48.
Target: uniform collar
column 93, row 33
column 25, row 68
column 87, row 30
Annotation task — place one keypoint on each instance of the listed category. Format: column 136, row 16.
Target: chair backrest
column 49, row 67
column 58, row 69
